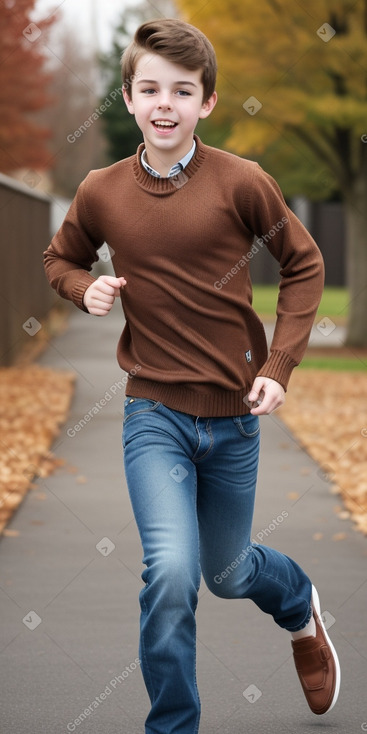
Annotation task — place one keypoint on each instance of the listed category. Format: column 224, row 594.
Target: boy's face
column 163, row 92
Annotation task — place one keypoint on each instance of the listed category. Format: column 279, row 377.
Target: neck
column 162, row 161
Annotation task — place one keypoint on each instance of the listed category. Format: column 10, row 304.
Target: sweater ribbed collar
column 164, row 186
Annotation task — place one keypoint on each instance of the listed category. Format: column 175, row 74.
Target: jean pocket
column 248, row 425
column 134, row 406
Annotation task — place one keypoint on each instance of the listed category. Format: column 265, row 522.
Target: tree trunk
column 356, row 220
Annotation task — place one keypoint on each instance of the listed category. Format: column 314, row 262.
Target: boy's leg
column 234, row 567
column 162, row 486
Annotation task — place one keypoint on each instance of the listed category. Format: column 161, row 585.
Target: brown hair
column 176, row 41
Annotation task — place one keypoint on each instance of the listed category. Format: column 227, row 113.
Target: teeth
column 164, row 123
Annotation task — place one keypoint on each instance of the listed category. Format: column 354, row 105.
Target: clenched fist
column 266, row 395
column 100, row 295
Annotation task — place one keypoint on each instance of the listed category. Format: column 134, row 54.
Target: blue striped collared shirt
column 175, row 170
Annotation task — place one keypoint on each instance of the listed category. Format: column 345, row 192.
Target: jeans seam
column 240, row 428
column 142, row 640
column 211, row 441
column 143, row 410
column 195, row 625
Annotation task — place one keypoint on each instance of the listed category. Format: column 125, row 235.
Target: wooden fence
column 25, row 294
column 326, row 223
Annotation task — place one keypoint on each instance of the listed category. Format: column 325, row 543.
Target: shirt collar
column 175, row 169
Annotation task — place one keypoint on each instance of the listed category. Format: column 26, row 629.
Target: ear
column 128, row 101
column 208, row 106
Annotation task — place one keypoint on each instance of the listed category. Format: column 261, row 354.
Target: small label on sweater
column 248, row 356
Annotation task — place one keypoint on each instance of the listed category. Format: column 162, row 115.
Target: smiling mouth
column 164, row 124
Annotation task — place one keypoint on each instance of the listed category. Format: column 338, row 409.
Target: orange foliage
column 23, row 86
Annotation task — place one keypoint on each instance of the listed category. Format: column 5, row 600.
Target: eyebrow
column 153, row 81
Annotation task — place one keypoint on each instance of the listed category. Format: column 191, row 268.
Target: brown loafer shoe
column 317, row 665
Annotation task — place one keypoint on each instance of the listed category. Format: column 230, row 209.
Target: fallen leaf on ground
column 326, row 410
column 339, row 536
column 34, row 402
column 11, row 533
column 293, row 495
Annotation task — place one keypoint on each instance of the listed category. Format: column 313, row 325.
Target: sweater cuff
column 83, row 282
column 279, row 367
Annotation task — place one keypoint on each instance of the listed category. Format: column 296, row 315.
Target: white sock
column 308, row 631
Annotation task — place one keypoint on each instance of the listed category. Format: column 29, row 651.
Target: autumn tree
column 23, row 86
column 292, row 87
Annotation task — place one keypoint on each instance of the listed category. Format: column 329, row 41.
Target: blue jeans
column 192, row 486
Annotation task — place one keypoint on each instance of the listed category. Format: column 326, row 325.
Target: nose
column 164, row 101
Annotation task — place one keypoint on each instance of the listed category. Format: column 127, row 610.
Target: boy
column 181, row 218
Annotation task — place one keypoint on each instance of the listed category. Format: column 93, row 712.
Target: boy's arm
column 300, row 288
column 72, row 252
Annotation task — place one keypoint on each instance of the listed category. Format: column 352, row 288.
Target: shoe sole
column 316, row 605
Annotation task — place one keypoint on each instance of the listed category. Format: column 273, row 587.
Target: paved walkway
column 70, row 583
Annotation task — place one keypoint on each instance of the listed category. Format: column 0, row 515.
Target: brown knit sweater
column 184, row 246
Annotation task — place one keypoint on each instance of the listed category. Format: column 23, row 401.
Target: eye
column 148, row 91
column 183, row 93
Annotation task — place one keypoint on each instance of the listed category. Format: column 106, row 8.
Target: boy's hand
column 269, row 392
column 100, row 295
